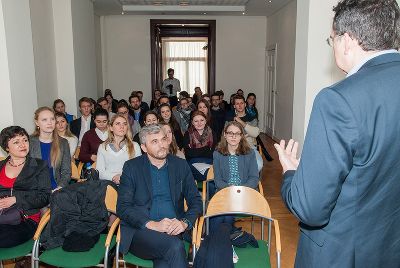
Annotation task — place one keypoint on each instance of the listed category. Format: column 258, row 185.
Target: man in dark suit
column 151, row 202
column 85, row 120
column 345, row 190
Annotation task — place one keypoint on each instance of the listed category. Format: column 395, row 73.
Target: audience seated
column 94, row 137
column 206, row 97
column 153, row 220
column 197, row 95
column 154, row 101
column 240, row 92
column 111, row 101
column 84, row 123
column 136, row 110
column 183, row 113
column 123, row 109
column 204, row 107
column 63, row 131
column 165, row 114
column 234, row 164
column 117, row 149
column 24, row 185
column 59, row 106
column 150, row 118
column 46, row 144
column 224, row 103
column 173, row 147
column 251, row 108
column 217, row 115
column 143, row 105
column 199, row 143
column 249, row 123
column 103, row 103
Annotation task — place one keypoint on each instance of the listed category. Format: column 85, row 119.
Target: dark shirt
column 162, row 205
column 144, row 106
column 217, row 122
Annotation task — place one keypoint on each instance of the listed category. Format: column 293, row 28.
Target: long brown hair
column 243, row 148
column 127, row 138
column 55, row 152
column 173, row 147
column 172, row 121
column 68, row 132
column 207, row 104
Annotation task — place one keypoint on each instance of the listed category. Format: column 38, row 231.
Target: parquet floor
column 271, row 181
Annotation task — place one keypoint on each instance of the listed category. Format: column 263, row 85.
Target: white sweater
column 110, row 163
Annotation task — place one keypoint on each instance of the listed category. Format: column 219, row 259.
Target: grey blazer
column 62, row 172
column 248, row 170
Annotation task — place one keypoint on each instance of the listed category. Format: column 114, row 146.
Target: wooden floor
column 271, row 181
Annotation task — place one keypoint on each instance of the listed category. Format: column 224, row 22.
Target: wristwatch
column 189, row 224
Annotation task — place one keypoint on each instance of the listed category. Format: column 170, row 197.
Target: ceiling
column 252, row 7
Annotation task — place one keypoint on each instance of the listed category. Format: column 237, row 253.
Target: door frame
column 268, row 93
column 156, row 51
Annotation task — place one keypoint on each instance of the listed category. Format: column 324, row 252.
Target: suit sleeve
column 312, row 191
column 134, row 215
column 192, row 196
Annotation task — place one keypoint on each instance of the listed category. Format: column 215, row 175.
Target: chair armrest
column 203, row 191
column 119, row 234
column 111, row 232
column 277, row 236
column 43, row 222
column 194, row 232
column 80, row 167
column 199, row 231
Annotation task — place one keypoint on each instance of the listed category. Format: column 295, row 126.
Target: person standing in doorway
column 171, row 86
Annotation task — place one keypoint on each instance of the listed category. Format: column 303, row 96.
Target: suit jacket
column 135, row 195
column 32, row 187
column 62, row 171
column 346, row 189
column 75, row 126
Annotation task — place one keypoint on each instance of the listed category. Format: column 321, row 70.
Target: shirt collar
column 102, row 136
column 358, row 66
column 156, row 168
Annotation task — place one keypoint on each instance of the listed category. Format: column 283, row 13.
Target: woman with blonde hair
column 64, row 132
column 46, row 144
column 117, row 149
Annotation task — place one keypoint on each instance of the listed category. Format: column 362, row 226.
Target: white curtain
column 188, row 57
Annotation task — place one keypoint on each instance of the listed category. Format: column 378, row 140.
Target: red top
column 7, row 182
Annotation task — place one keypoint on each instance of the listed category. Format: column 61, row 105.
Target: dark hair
column 123, row 101
column 148, row 113
column 185, row 99
column 207, row 104
column 163, row 96
column 172, row 121
column 84, row 99
column 101, row 99
column 216, row 94
column 196, row 113
column 122, row 104
column 251, row 95
column 374, row 24
column 173, row 147
column 139, row 92
column 107, row 91
column 184, row 94
column 57, row 101
column 243, row 148
column 238, row 97
column 239, row 90
column 108, row 94
column 170, row 70
column 9, row 133
column 99, row 112
column 133, row 96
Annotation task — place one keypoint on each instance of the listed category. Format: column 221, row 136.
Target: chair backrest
column 111, row 199
column 260, row 188
column 94, row 165
column 2, row 158
column 210, row 174
column 77, row 151
column 238, row 200
column 74, row 171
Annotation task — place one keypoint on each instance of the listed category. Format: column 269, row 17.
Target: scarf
column 185, row 115
column 203, row 140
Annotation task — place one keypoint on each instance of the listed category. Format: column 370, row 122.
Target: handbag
column 12, row 215
column 91, row 174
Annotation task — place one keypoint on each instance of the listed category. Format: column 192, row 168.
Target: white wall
column 240, row 47
column 84, row 48
column 281, row 30
column 44, row 51
column 99, row 62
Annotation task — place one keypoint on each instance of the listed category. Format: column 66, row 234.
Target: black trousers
column 166, row 251
column 14, row 235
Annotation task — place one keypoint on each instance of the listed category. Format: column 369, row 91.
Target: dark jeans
column 14, row 235
column 165, row 250
column 196, row 174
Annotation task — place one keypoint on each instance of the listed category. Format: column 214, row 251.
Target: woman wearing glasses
column 123, row 110
column 234, row 164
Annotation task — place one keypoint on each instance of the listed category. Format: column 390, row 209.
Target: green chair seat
column 132, row 259
column 61, row 258
column 17, row 251
column 253, row 257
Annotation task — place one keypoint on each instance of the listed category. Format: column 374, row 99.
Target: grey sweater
column 62, row 172
column 248, row 170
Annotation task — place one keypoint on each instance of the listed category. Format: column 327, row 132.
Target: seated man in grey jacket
column 151, row 202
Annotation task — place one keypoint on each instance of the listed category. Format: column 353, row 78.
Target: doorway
column 270, row 89
column 187, row 46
